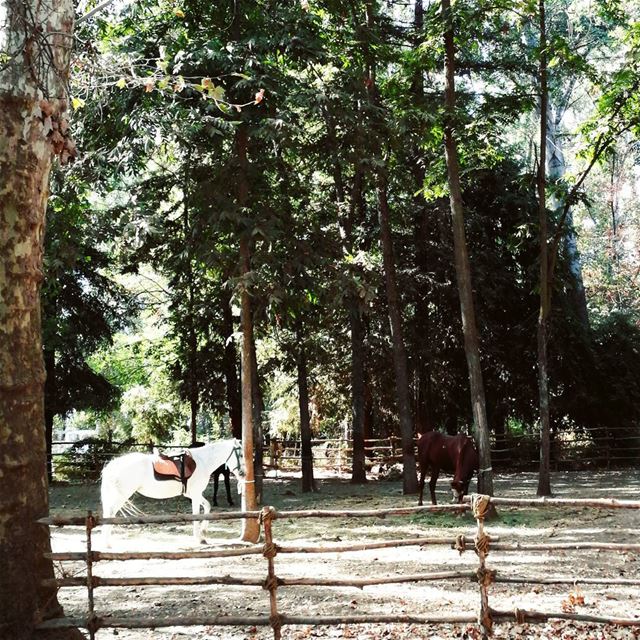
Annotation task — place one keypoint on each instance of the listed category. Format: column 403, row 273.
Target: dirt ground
column 524, row 525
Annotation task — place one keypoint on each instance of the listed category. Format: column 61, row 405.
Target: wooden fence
column 570, row 451
column 482, row 543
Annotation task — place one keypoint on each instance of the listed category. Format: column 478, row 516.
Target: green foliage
column 82, row 305
column 84, row 460
column 166, row 89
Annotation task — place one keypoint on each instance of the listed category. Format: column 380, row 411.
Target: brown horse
column 455, row 454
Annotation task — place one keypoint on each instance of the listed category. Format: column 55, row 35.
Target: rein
column 235, row 450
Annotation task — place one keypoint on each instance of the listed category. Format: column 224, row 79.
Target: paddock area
column 522, row 525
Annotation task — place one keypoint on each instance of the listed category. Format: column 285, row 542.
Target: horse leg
column 421, row 484
column 195, row 509
column 206, row 508
column 227, row 485
column 199, row 526
column 106, row 528
column 111, row 504
column 216, row 477
column 432, row 484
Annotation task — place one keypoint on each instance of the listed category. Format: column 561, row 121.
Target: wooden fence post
column 269, row 551
column 480, row 505
column 92, row 620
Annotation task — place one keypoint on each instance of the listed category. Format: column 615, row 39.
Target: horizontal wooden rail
column 522, row 615
column 255, row 621
column 598, row 503
column 235, row 515
column 565, row 580
column 96, row 556
column 257, row 582
column 558, row 546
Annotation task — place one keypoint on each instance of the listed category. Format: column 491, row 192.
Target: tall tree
column 463, row 268
column 251, row 527
column 409, row 477
column 544, row 477
column 308, row 481
column 35, row 44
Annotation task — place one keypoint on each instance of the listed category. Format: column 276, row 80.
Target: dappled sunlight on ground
column 527, row 525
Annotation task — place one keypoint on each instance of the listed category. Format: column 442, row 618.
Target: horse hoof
column 203, row 541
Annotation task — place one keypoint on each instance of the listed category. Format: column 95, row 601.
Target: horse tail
column 130, row 509
column 112, row 495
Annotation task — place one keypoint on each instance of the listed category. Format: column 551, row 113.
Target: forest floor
column 524, row 525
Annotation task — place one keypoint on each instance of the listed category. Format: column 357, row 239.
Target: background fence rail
column 570, row 451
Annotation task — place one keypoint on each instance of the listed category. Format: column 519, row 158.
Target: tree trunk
column 192, row 336
column 409, row 476
column 421, row 370
column 306, row 454
column 34, row 71
column 544, row 477
column 49, row 404
column 358, row 471
column 234, row 401
column 463, row 268
column 556, row 169
column 357, row 330
column 256, row 394
column 250, row 527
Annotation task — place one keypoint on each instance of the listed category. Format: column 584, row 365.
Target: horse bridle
column 236, row 449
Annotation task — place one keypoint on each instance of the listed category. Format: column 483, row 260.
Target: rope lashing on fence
column 486, row 621
column 485, row 576
column 271, row 583
column 460, row 545
column 519, row 615
column 275, row 621
column 267, row 513
column 482, row 542
column 269, row 551
column 480, row 505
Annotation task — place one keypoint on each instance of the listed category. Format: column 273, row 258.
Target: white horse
column 133, row 472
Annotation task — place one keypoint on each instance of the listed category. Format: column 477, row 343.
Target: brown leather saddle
column 179, row 467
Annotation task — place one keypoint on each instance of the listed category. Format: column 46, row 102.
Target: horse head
column 459, row 489
column 467, row 465
column 235, row 461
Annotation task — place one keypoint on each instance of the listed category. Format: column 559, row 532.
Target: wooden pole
column 91, row 616
column 598, row 503
column 271, row 583
column 358, row 583
column 480, row 506
column 327, row 548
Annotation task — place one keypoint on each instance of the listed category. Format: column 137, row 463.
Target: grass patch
column 522, row 518
column 442, row 520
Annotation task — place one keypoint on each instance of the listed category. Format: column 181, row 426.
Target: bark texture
column 234, row 400
column 250, row 527
column 258, row 436
column 306, row 455
column 463, row 268
column 37, row 35
column 544, row 477
column 409, row 476
column 356, row 325
column 556, row 170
